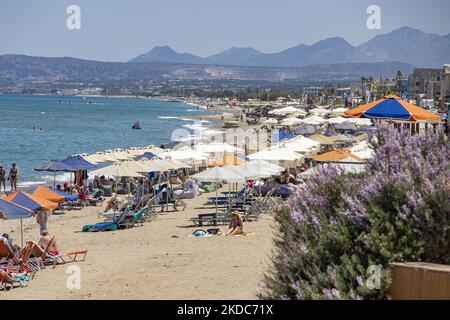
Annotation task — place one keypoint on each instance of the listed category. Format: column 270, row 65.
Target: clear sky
column 118, row 30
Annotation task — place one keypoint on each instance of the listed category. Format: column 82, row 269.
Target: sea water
column 69, row 125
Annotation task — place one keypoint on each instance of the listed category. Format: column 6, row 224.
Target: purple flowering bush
column 396, row 211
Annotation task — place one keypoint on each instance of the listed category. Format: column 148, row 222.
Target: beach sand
column 156, row 261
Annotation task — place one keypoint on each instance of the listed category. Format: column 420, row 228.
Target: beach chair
column 212, row 218
column 6, row 280
column 21, row 262
column 121, row 221
column 164, row 203
column 62, row 258
column 6, row 251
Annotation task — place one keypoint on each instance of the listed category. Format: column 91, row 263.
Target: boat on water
column 136, row 126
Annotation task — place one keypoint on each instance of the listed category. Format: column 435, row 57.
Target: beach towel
column 102, row 226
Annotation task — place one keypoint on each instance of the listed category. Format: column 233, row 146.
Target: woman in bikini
column 13, row 177
column 236, row 225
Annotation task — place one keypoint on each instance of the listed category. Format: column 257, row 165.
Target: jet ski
column 136, row 126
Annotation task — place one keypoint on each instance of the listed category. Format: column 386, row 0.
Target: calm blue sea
column 73, row 125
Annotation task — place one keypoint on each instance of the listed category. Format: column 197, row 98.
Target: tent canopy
column 392, row 107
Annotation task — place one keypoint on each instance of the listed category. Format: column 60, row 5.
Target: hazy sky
column 118, row 30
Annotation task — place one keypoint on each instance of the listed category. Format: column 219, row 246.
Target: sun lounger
column 6, row 251
column 21, row 261
column 211, row 218
column 6, row 280
column 121, row 221
column 61, row 258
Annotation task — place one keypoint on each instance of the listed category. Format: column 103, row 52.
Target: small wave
column 167, row 117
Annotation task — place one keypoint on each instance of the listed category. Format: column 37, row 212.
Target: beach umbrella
column 14, row 211
column 76, row 163
column 291, row 122
column 314, row 121
column 289, row 110
column 116, row 170
column 54, row 166
column 320, row 111
column 226, row 159
column 30, row 201
column 337, row 156
column 279, row 154
column 258, row 169
column 67, row 196
column 218, row 175
column 271, row 121
column 394, row 108
column 46, row 193
column 216, row 148
column 146, row 155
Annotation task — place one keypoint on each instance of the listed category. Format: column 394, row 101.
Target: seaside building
column 445, row 88
column 312, row 91
column 425, row 84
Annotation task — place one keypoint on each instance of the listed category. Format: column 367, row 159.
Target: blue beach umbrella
column 14, row 211
column 76, row 163
column 147, row 155
column 54, row 166
column 67, row 196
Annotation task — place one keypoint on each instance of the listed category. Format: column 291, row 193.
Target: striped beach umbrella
column 394, row 108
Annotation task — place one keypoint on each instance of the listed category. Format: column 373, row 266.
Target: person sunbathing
column 50, row 242
column 236, row 225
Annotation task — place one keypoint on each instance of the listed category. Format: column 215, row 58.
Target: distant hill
column 411, row 46
column 405, row 45
column 19, row 68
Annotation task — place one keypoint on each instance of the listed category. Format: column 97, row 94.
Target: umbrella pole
column 217, row 198
column 21, row 231
column 54, row 179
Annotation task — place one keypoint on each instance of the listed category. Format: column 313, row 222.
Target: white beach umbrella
column 279, row 154
column 337, row 120
column 184, row 154
column 289, row 110
column 320, row 111
column 215, row 148
column 258, row 169
column 314, row 120
column 116, row 170
column 218, row 175
column 339, row 110
column 291, row 122
column 271, row 121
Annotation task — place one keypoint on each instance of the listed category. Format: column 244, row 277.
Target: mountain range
column 406, row 45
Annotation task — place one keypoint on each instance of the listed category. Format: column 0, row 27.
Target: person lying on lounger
column 47, row 240
column 236, row 225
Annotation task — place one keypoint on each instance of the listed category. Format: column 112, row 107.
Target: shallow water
column 74, row 125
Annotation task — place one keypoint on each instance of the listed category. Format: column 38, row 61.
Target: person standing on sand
column 2, row 179
column 13, row 177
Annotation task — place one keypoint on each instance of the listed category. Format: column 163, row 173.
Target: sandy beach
column 156, row 261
